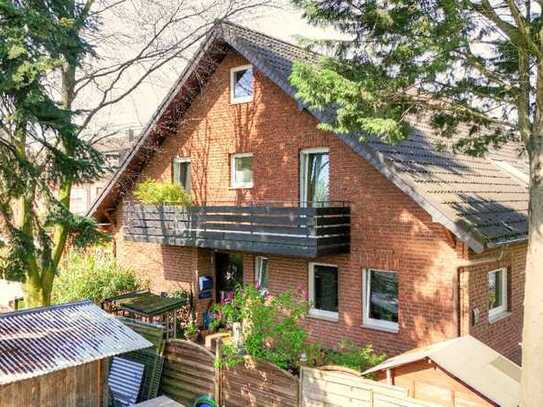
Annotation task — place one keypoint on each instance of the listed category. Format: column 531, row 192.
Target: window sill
column 324, row 315
column 498, row 317
column 249, row 186
column 376, row 327
column 240, row 101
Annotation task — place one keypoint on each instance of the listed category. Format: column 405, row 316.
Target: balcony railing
column 272, row 229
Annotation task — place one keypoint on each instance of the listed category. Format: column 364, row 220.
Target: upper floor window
column 181, row 173
column 241, row 84
column 497, row 293
column 380, row 299
column 323, row 291
column 314, row 177
column 242, row 170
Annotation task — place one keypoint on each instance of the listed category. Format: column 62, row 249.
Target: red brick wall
column 503, row 334
column 389, row 230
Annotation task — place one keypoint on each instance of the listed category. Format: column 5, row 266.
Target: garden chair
column 124, row 380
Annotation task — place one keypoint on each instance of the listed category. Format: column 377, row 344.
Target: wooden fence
column 340, row 387
column 258, row 384
column 190, row 371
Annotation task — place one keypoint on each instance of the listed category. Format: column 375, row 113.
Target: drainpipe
column 459, row 270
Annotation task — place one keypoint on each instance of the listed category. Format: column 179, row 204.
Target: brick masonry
column 389, row 230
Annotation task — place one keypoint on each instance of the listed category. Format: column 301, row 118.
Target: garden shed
column 58, row 355
column 458, row 372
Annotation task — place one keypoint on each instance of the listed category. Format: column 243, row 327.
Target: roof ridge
column 271, row 37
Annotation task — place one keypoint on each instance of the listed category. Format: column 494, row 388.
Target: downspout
column 459, row 270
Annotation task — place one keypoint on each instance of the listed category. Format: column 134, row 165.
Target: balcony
column 263, row 228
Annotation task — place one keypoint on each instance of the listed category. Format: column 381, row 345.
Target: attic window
column 241, row 84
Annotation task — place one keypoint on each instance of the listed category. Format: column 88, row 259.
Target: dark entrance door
column 229, row 274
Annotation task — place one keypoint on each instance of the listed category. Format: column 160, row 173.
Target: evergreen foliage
column 41, row 152
column 472, row 69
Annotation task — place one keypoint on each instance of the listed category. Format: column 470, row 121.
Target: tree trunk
column 33, row 292
column 532, row 335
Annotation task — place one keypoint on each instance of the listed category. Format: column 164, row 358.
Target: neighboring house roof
column 39, row 341
column 471, row 361
column 478, row 200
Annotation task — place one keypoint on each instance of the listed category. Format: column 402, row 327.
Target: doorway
column 229, row 274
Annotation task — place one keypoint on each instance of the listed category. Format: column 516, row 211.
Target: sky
column 134, row 111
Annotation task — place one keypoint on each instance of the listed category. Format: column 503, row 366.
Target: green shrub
column 94, row 275
column 156, row 193
column 353, row 356
column 271, row 327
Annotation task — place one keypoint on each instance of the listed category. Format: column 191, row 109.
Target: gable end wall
column 389, row 230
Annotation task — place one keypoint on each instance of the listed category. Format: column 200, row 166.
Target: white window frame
column 234, row 100
column 183, row 160
column 233, row 182
column 303, row 170
column 372, row 323
column 497, row 312
column 315, row 312
column 258, row 271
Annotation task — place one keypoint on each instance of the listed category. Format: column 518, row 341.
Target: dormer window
column 241, row 84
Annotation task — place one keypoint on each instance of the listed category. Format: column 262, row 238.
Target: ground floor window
column 380, row 299
column 497, row 293
column 261, row 273
column 323, row 291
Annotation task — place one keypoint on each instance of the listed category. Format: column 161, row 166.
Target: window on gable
column 242, row 170
column 380, row 299
column 314, row 177
column 497, row 293
column 241, row 84
column 181, row 173
column 261, row 273
column 323, row 291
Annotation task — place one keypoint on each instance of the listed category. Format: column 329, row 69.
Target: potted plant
column 191, row 331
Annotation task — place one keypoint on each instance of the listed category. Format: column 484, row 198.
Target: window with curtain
column 242, row 170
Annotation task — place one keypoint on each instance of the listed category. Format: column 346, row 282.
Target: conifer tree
column 473, row 69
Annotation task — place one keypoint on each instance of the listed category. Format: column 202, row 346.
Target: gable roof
column 478, row 200
column 474, row 363
column 39, row 341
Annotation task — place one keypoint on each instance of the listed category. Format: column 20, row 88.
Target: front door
column 229, row 272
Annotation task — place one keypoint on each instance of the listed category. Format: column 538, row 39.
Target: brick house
column 399, row 246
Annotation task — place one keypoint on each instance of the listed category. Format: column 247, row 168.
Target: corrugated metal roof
column 38, row 341
column 474, row 363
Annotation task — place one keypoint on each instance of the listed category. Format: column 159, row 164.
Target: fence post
column 300, row 387
column 218, row 372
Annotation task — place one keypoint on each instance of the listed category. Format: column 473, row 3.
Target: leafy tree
column 92, row 274
column 64, row 62
column 472, row 68
column 39, row 147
